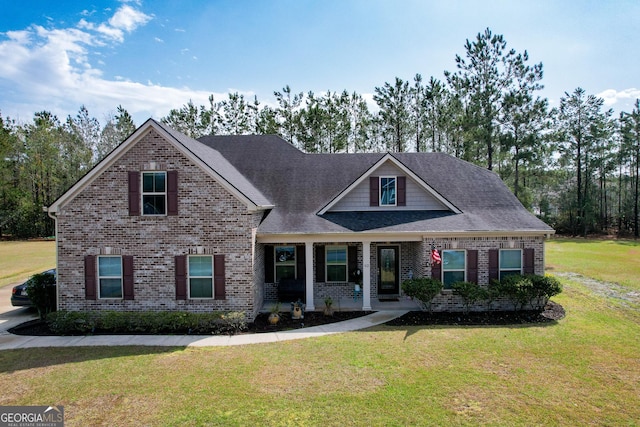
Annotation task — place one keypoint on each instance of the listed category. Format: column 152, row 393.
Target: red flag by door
column 435, row 257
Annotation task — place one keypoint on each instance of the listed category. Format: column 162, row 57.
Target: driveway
column 11, row 316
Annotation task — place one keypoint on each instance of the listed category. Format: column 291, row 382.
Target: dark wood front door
column 389, row 271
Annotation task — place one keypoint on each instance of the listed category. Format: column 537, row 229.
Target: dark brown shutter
column 402, row 191
column 127, row 276
column 319, row 264
column 494, row 271
column 472, row 266
column 172, row 193
column 352, row 261
column 301, row 272
column 528, row 264
column 134, row 193
column 269, row 264
column 219, row 281
column 181, row 276
column 436, row 270
column 374, row 191
column 90, row 277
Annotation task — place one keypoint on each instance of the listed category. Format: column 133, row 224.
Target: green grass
column 608, row 260
column 582, row 370
column 20, row 260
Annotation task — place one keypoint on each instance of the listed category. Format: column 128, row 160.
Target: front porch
column 314, row 270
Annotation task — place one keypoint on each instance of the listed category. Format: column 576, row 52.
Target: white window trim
column 121, row 277
column 395, row 200
column 464, row 270
column 143, row 193
column 189, row 277
column 346, row 263
column 294, row 263
column 500, row 269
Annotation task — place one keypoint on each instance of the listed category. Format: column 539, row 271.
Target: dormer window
column 388, row 191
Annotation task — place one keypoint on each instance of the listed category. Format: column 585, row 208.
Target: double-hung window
column 510, row 262
column 110, row 277
column 453, row 267
column 336, row 263
column 285, row 258
column 200, row 276
column 388, row 191
column 154, row 193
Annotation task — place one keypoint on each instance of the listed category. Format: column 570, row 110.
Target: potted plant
column 274, row 317
column 328, row 306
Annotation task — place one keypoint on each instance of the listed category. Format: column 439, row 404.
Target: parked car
column 19, row 297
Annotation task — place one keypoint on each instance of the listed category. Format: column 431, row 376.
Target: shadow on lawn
column 32, row 358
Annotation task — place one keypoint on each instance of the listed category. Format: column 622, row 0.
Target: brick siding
column 210, row 220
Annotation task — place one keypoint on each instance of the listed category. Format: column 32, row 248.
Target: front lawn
column 608, row 260
column 20, row 260
column 581, row 370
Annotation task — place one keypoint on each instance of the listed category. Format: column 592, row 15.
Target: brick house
column 166, row 222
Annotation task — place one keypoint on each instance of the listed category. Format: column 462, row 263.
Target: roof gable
column 388, row 165
column 208, row 159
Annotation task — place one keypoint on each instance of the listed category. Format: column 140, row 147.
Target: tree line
column 575, row 166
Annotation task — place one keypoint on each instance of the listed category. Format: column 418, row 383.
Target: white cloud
column 126, row 19
column 613, row 97
column 158, row 39
column 50, row 69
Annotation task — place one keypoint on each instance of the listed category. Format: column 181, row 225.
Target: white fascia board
column 399, row 165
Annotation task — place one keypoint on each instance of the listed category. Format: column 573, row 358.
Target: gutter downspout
column 53, row 216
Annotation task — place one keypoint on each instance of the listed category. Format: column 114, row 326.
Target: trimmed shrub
column 470, row 293
column 544, row 287
column 423, row 289
column 517, row 289
column 71, row 322
column 147, row 322
column 522, row 290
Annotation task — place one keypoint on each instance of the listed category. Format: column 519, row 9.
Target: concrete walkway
column 9, row 341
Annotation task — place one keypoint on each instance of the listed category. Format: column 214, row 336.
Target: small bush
column 544, row 287
column 148, row 322
column 42, row 293
column 518, row 289
column 529, row 289
column 71, row 322
column 470, row 293
column 423, row 289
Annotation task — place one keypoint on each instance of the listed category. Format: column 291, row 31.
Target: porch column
column 308, row 259
column 366, row 276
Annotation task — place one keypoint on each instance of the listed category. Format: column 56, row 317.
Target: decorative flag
column 435, row 257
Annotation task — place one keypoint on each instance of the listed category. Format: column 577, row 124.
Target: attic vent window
column 154, row 193
column 388, row 191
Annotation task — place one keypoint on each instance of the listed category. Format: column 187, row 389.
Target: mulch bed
column 551, row 313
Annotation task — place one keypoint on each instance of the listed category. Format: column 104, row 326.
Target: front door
column 388, row 266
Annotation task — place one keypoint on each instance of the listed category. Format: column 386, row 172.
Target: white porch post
column 308, row 260
column 366, row 276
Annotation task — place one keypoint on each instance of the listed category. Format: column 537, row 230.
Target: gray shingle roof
column 220, row 165
column 299, row 185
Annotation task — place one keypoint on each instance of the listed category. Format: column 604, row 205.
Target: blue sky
column 151, row 56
